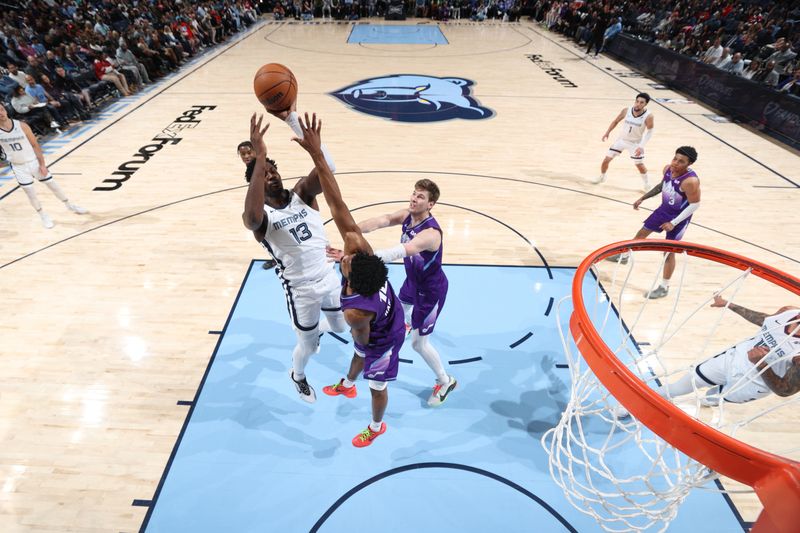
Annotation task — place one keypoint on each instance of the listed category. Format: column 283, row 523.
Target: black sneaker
column 305, row 390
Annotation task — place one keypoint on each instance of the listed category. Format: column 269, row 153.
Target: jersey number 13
column 300, row 233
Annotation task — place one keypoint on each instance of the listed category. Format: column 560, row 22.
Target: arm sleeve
column 686, row 213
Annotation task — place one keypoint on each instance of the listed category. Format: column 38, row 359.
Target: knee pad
column 377, row 385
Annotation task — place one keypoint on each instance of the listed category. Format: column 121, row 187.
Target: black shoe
column 305, row 390
column 269, row 264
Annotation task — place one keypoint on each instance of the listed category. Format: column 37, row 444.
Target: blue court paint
column 395, row 34
column 254, row 457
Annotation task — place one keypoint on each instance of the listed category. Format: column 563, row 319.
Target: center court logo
column 414, row 98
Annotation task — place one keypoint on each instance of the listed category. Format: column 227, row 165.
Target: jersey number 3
column 301, row 232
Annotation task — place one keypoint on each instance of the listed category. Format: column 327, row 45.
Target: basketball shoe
column 78, row 210
column 658, row 292
column 339, row 389
column 305, row 390
column 440, row 392
column 598, row 180
column 366, row 437
column 47, row 222
column 618, row 258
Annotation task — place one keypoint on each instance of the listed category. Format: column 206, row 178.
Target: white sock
column 53, row 186
column 347, row 383
column 423, row 347
column 32, row 198
column 375, row 426
column 663, row 283
column 644, row 176
column 407, row 309
column 683, row 386
column 603, row 175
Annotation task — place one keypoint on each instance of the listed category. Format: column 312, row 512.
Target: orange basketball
column 275, row 87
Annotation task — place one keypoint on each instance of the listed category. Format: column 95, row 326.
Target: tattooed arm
column 748, row 314
column 655, row 191
column 782, row 386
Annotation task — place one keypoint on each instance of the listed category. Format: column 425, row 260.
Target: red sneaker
column 366, row 437
column 339, row 388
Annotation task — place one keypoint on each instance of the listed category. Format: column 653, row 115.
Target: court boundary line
column 662, row 105
column 189, row 413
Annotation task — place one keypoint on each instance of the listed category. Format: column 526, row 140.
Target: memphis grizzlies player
column 288, row 224
column 768, row 362
column 680, row 198
column 425, row 289
column 637, row 128
column 18, row 146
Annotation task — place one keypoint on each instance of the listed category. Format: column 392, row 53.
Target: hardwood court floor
column 105, row 318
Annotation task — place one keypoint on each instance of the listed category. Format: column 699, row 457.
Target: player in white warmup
column 768, row 362
column 19, row 147
column 288, row 224
column 637, row 128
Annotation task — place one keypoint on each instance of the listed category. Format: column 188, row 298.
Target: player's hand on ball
column 311, row 141
column 257, row 134
column 719, row 301
column 333, row 254
column 283, row 115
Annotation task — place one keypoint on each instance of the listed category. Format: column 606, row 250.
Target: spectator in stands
column 15, row 74
column 735, row 65
column 723, row 61
column 69, row 102
column 714, row 52
column 783, row 55
column 278, row 12
column 752, row 69
column 32, row 111
column 127, row 61
column 51, row 104
column 104, row 71
column 612, row 32
column 792, row 86
column 65, row 82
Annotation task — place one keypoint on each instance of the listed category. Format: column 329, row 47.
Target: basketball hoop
column 581, row 447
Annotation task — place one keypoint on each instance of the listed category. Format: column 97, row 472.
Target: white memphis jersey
column 783, row 348
column 295, row 238
column 16, row 147
column 633, row 128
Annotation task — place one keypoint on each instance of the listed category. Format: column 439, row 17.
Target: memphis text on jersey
column 167, row 136
column 278, row 224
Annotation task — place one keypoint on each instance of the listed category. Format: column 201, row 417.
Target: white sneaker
column 47, row 222
column 305, row 390
column 440, row 392
column 76, row 209
column 645, row 185
column 658, row 292
column 598, row 180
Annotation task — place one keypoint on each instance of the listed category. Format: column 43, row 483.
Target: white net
column 609, row 464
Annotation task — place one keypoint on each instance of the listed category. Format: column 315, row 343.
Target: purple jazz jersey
column 387, row 331
column 673, row 201
column 426, row 284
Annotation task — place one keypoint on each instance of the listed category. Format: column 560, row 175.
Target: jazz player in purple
column 369, row 303
column 424, row 292
column 680, row 198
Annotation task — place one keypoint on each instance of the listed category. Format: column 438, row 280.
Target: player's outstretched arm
column 383, row 221
column 253, row 215
column 755, row 317
column 312, row 143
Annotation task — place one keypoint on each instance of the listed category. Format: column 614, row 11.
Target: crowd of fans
column 756, row 39
column 60, row 59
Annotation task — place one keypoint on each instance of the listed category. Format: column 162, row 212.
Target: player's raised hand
column 283, row 115
column 333, row 254
column 257, row 134
column 312, row 140
column 719, row 301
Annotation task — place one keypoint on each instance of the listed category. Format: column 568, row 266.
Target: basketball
column 275, row 87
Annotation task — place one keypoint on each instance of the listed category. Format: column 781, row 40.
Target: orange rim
column 775, row 479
